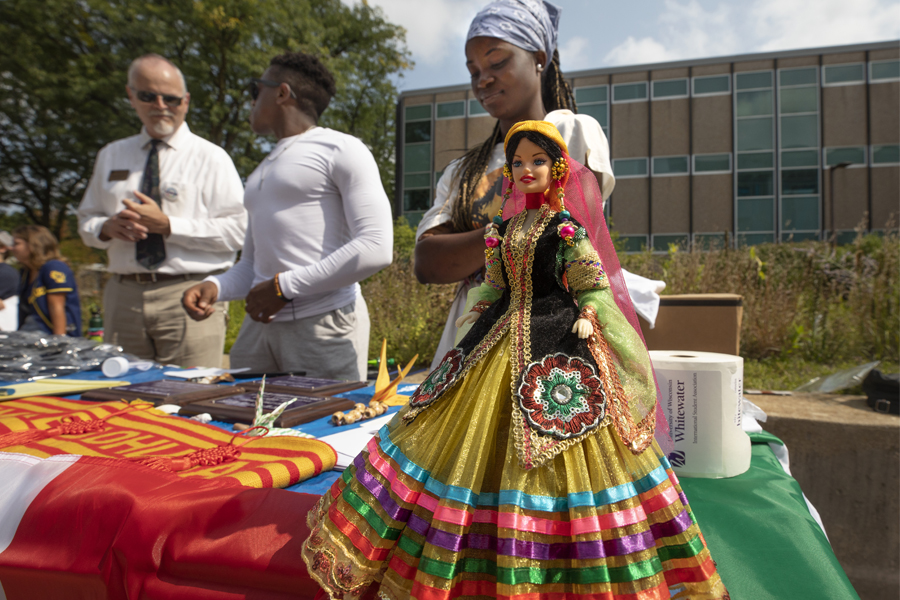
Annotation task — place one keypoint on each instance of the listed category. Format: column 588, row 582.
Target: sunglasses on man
column 256, row 82
column 150, row 98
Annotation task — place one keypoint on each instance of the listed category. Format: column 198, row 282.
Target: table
column 757, row 525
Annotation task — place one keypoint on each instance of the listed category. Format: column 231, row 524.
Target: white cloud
column 782, row 24
column 435, row 29
column 687, row 30
column 575, row 54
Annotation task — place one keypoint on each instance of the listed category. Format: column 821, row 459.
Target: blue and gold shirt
column 55, row 277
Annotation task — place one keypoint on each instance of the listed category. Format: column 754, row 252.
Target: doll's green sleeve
column 588, row 283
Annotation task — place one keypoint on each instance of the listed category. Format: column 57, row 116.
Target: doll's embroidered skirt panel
column 441, row 509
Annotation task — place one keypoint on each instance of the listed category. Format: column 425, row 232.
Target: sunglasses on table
column 150, row 98
column 256, row 82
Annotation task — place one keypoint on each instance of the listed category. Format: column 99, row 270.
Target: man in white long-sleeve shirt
column 167, row 206
column 320, row 222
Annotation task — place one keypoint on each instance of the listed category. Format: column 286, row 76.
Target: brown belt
column 156, row 277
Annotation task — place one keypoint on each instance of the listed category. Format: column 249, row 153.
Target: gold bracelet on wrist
column 278, row 291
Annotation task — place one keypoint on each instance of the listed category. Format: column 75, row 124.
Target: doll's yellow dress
column 519, row 471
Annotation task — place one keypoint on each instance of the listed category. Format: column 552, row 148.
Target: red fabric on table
column 108, row 529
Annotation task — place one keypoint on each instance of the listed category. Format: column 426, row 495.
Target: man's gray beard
column 163, row 128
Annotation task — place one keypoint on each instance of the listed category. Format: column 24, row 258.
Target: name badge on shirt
column 119, row 175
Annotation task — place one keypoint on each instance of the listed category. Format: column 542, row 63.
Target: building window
column 632, row 243
column 624, row 168
column 796, row 182
column 799, row 100
column 748, row 161
column 713, row 85
column 670, row 165
column 884, row 70
column 710, row 164
column 793, row 77
column 662, row 242
column 670, row 88
column 843, row 74
column 798, row 108
column 755, row 134
column 417, row 174
column 629, row 92
column 799, row 158
column 800, row 131
column 419, row 112
column 709, row 241
column 594, row 101
column 888, row 154
column 475, row 108
column 418, row 131
column 800, row 213
column 756, row 215
column 855, row 155
column 755, row 103
column 755, row 183
column 753, row 81
column 451, row 110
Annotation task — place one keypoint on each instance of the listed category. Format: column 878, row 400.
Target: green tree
column 63, row 68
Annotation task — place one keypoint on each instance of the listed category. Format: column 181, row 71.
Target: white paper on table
column 350, row 442
column 202, row 372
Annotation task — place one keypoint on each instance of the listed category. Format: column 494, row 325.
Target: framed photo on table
column 242, row 407
column 164, row 391
column 304, row 386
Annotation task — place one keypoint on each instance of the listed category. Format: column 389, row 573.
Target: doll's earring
column 506, row 172
column 560, row 168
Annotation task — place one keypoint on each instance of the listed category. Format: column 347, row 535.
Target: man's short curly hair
column 311, row 81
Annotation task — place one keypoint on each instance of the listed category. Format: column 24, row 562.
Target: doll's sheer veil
column 584, row 202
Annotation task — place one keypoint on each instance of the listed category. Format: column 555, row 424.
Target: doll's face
column 531, row 168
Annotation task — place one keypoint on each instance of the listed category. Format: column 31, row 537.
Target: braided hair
column 556, row 94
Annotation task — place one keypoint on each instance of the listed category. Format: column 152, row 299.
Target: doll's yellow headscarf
column 544, row 127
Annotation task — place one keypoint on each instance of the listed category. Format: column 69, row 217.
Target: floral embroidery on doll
column 440, row 379
column 562, row 396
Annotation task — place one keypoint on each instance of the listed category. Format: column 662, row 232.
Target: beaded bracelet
column 480, row 306
column 278, row 291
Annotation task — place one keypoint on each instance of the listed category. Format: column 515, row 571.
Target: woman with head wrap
column 512, row 56
column 525, row 465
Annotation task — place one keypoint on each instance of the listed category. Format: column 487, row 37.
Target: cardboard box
column 698, row 322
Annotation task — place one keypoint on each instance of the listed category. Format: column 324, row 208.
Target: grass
column 809, row 309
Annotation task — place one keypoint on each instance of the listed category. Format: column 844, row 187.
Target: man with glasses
column 320, row 222
column 167, row 206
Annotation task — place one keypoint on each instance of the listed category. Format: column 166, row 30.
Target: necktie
column 151, row 252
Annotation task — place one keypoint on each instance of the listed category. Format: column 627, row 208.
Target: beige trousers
column 147, row 320
column 333, row 345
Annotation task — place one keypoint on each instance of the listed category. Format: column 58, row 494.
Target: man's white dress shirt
column 201, row 193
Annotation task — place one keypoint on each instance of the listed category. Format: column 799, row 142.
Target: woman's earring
column 540, row 67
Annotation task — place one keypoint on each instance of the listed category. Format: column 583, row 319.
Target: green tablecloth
column 762, row 536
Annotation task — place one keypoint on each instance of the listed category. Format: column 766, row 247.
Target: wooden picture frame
column 304, row 386
column 164, row 391
column 242, row 407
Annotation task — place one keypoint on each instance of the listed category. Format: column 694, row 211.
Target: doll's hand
column 469, row 317
column 583, row 328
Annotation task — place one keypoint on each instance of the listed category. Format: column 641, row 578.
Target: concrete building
column 739, row 149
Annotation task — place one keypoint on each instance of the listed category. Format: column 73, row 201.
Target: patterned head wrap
column 529, row 24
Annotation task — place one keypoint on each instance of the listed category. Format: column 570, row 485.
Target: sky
column 599, row 33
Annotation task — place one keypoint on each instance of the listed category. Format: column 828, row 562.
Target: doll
column 524, row 465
